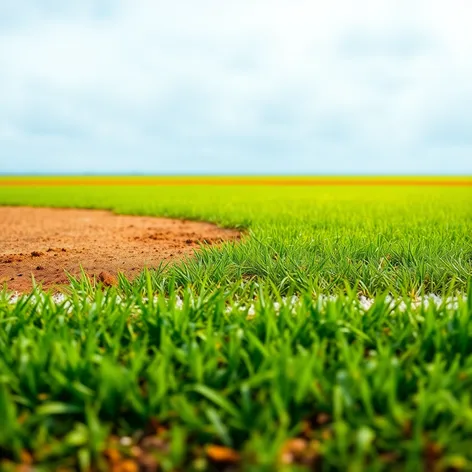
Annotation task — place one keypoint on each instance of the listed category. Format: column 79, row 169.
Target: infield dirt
column 49, row 242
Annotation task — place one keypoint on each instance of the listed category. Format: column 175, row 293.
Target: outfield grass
column 404, row 238
column 198, row 355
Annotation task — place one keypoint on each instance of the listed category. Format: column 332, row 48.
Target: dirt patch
column 46, row 242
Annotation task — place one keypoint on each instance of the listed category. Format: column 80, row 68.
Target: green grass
column 385, row 389
column 387, row 238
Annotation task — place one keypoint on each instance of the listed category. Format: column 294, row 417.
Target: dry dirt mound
column 46, row 242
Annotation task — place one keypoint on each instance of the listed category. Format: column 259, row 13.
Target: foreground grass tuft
column 199, row 383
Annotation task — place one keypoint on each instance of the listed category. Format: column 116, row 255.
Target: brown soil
column 47, row 242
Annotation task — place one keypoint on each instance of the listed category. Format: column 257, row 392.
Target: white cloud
column 281, row 85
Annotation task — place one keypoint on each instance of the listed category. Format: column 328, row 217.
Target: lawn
column 314, row 343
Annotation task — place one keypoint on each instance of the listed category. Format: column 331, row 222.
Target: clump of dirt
column 107, row 279
column 48, row 242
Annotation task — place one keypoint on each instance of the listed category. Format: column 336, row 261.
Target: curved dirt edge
column 47, row 242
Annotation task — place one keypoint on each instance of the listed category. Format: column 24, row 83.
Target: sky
column 236, row 87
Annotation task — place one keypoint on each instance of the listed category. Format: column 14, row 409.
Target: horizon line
column 231, row 175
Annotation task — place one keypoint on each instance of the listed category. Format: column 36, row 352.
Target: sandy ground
column 47, row 242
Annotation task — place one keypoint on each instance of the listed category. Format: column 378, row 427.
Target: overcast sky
column 246, row 86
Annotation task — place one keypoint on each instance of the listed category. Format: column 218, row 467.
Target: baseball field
column 245, row 323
